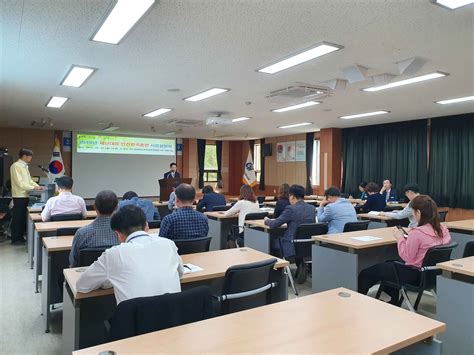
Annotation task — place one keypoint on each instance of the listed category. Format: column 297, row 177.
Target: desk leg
column 455, row 307
column 30, row 227
column 45, row 289
column 70, row 322
column 427, row 347
column 462, row 240
column 37, row 258
column 257, row 239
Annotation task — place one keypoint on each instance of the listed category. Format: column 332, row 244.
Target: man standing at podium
column 22, row 184
column 172, row 174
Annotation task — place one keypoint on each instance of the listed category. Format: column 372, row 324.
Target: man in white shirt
column 142, row 266
column 65, row 202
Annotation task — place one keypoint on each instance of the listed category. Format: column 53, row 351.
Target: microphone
column 43, row 169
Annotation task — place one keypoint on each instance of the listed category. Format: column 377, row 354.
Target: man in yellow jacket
column 22, row 184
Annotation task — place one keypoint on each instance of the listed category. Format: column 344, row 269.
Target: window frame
column 316, row 171
column 210, row 171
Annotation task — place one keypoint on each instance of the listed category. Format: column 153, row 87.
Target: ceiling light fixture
column 157, row 112
column 314, row 52
column 169, row 133
column 77, row 75
column 295, row 107
column 240, row 119
column 368, row 114
column 296, row 125
column 453, row 4
column 56, row 101
column 413, row 80
column 124, row 15
column 455, row 101
column 206, row 94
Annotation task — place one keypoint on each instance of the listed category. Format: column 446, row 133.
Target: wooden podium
column 166, row 186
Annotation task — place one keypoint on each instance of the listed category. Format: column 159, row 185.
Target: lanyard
column 137, row 236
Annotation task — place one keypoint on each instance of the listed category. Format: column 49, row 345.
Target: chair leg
column 292, row 282
column 435, row 296
column 379, row 291
column 407, row 300
column 418, row 299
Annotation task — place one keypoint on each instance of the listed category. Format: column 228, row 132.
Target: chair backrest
column 356, row 226
column 442, row 215
column 89, row 207
column 243, row 279
column 433, row 256
column 66, row 217
column 192, row 245
column 148, row 314
column 305, row 232
column 154, row 224
column 468, row 249
column 89, row 255
column 261, row 199
column 221, row 208
column 66, row 231
column 255, row 215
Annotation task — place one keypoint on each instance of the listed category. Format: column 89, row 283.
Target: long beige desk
column 235, row 199
column 46, row 229
column 273, row 203
column 34, row 217
column 258, row 235
column 84, row 313
column 338, row 258
column 455, row 305
column 377, row 221
column 339, row 321
column 55, row 259
column 461, row 232
column 219, row 227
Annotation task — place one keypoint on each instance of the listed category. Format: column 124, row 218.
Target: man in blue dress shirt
column 336, row 211
column 131, row 198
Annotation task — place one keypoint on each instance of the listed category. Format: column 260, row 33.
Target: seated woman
column 247, row 203
column 375, row 200
column 411, row 249
column 283, row 201
column 363, row 193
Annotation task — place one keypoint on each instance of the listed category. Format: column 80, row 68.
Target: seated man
column 411, row 191
column 375, row 200
column 336, row 211
column 293, row 215
column 141, row 266
column 185, row 222
column 172, row 198
column 98, row 233
column 131, row 198
column 65, row 202
column 389, row 194
column 210, row 199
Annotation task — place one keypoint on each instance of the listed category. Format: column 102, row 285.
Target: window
column 210, row 163
column 315, row 172
column 257, row 160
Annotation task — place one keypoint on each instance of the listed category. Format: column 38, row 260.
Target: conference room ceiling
column 195, row 45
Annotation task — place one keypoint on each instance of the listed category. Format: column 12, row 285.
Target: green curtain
column 451, row 170
column 397, row 151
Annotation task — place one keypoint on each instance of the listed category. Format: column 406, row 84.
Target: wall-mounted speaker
column 267, row 150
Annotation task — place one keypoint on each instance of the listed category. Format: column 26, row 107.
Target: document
column 374, row 213
column 189, row 268
column 366, row 238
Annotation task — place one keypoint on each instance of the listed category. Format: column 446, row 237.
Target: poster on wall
column 290, row 151
column 281, row 150
column 300, row 150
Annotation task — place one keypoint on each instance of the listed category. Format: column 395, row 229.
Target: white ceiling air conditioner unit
column 299, row 93
column 185, row 123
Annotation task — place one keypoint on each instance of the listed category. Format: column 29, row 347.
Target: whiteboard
column 117, row 172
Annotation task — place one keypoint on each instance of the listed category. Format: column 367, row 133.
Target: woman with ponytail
column 412, row 248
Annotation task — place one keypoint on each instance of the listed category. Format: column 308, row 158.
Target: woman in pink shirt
column 411, row 249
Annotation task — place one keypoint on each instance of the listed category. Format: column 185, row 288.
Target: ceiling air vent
column 299, row 92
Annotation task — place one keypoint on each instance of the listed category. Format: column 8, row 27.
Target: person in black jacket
column 210, row 199
column 375, row 201
column 283, row 201
column 173, row 173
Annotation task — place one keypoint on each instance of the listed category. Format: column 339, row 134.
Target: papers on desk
column 374, row 213
column 267, row 209
column 366, row 238
column 38, row 205
column 189, row 268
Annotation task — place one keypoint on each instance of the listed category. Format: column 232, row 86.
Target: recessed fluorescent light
column 77, row 76
column 121, row 19
column 206, row 94
column 111, row 128
column 295, row 107
column 454, row 101
column 240, row 119
column 296, row 125
column 414, row 80
column 158, row 112
column 56, row 101
column 301, row 57
column 169, row 133
column 453, row 4
column 375, row 113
